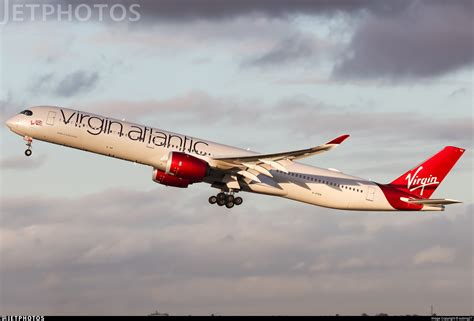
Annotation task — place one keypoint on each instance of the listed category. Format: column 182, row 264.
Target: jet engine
column 169, row 180
column 186, row 167
column 181, row 170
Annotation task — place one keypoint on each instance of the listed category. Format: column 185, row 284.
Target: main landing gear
column 28, row 141
column 226, row 199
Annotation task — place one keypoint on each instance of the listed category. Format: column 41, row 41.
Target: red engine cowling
column 169, row 180
column 186, row 166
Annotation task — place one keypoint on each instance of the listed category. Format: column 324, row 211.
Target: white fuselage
column 150, row 146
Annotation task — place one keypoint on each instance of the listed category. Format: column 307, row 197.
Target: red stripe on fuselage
column 393, row 197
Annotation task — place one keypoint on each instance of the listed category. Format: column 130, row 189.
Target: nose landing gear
column 226, row 199
column 28, row 141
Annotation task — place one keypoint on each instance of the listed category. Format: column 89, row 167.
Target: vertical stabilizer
column 422, row 180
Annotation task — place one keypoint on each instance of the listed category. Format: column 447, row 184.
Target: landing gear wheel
column 238, row 200
column 226, row 198
column 28, row 140
column 213, row 199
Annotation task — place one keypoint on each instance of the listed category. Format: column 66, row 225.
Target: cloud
column 175, row 253
column 81, row 250
column 291, row 49
column 251, row 36
column 436, row 254
column 21, row 162
column 184, row 10
column 9, row 107
column 68, row 85
column 76, row 82
column 390, row 40
column 460, row 92
column 43, row 82
column 309, row 117
column 426, row 39
column 387, row 125
column 394, row 40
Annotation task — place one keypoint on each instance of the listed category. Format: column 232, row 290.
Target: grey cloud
column 216, row 9
column 43, row 83
column 426, row 39
column 394, row 40
column 460, row 92
column 76, row 82
column 199, row 107
column 9, row 106
column 69, row 85
column 387, row 125
column 65, row 255
column 290, row 49
column 301, row 116
column 21, row 162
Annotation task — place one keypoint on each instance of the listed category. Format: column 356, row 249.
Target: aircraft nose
column 10, row 123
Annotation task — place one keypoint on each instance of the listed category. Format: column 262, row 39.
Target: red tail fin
column 422, row 180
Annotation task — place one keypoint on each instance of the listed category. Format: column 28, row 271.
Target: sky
column 84, row 234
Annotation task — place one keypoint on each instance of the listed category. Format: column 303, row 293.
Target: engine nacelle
column 169, row 180
column 186, row 166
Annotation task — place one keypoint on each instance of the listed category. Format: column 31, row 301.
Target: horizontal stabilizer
column 439, row 201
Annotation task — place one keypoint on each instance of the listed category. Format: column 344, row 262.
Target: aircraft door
column 51, row 118
column 370, row 194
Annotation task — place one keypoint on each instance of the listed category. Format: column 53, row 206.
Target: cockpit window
column 27, row 112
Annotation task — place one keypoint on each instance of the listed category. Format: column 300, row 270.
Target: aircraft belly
column 315, row 194
column 337, row 198
column 368, row 201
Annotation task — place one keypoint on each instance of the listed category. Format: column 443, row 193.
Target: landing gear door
column 51, row 118
column 370, row 194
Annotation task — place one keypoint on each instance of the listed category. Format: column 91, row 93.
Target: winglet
column 338, row 140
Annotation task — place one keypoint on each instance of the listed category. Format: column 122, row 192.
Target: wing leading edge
column 292, row 155
column 251, row 166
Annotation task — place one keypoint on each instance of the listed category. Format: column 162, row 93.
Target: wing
column 250, row 166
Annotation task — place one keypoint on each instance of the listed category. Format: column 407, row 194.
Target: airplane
column 179, row 160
